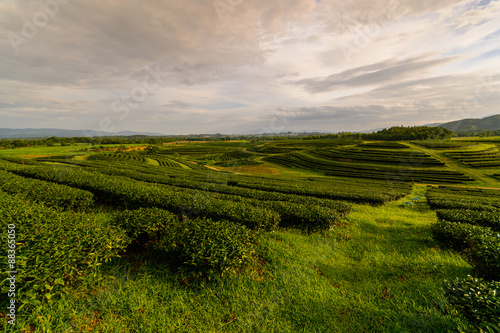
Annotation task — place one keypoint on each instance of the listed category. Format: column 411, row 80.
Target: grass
column 39, row 151
column 378, row 271
column 150, row 161
column 44, row 151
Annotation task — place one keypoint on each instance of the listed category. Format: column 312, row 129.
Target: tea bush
column 196, row 245
column 205, row 247
column 481, row 244
column 487, row 218
column 54, row 250
column 459, row 236
column 307, row 218
column 479, row 300
column 44, row 192
column 145, row 225
column 485, row 257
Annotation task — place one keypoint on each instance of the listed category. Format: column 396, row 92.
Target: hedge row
column 481, row 244
column 371, row 192
column 309, row 218
column 122, row 191
column 374, row 192
column 44, row 192
column 53, row 250
column 200, row 246
column 445, row 198
column 478, row 159
column 409, row 158
column 224, row 188
column 478, row 299
column 486, row 218
column 392, row 145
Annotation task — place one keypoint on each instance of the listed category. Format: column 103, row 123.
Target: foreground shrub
column 486, row 218
column 485, row 257
column 196, row 245
column 54, row 250
column 204, row 246
column 146, row 225
column 308, row 218
column 459, row 236
column 478, row 299
column 481, row 244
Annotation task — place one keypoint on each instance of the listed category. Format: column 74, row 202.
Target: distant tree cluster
column 52, row 141
column 477, row 133
column 392, row 134
column 410, row 133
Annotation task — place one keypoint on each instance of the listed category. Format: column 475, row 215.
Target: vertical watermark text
column 11, row 280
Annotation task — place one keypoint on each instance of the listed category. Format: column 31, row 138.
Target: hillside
column 12, row 133
column 491, row 123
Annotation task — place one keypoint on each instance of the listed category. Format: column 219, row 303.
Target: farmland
column 282, row 236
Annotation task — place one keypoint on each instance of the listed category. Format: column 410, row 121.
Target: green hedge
column 464, row 198
column 145, row 225
column 486, row 218
column 478, row 300
column 55, row 250
column 207, row 247
column 481, row 244
column 129, row 193
column 459, row 236
column 307, row 218
column 44, row 192
column 198, row 245
column 485, row 257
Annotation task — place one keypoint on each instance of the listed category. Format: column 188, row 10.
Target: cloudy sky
column 232, row 66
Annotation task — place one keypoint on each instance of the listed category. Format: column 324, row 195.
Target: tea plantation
column 269, row 236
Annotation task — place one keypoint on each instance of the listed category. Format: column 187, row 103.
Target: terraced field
column 374, row 162
column 486, row 158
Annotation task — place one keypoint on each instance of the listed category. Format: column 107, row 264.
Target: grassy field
column 379, row 271
column 374, row 267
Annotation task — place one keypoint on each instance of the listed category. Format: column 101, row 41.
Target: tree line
column 391, row 134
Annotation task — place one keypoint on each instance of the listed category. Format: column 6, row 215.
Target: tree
column 152, row 150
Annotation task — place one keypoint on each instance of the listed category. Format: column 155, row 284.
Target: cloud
column 229, row 65
column 382, row 72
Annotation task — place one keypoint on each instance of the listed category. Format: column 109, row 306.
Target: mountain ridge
column 490, row 123
column 12, row 133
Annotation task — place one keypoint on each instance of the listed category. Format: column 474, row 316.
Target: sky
column 247, row 66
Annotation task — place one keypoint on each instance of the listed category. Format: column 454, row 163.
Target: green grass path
column 382, row 272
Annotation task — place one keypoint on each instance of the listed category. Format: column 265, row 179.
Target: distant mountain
column 490, row 123
column 10, row 133
column 266, row 132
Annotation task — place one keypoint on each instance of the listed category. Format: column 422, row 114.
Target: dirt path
column 210, row 167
